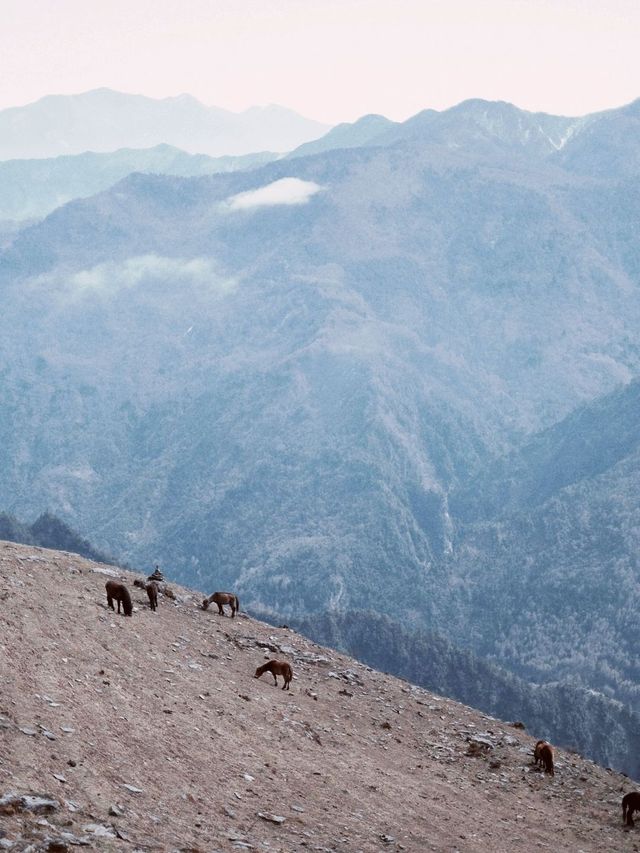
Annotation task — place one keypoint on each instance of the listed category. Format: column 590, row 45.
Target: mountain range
column 399, row 374
column 31, row 189
column 105, row 120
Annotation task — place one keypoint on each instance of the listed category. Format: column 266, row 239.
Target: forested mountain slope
column 31, row 189
column 552, row 530
column 282, row 379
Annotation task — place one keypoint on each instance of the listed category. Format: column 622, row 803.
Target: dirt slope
column 166, row 702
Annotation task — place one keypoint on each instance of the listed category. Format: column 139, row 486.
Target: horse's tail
column 237, row 603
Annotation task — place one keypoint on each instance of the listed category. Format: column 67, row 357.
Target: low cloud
column 284, row 191
column 115, row 275
column 111, row 277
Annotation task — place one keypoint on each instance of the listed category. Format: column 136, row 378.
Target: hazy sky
column 333, row 60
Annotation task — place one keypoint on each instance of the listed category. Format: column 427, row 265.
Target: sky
column 332, row 60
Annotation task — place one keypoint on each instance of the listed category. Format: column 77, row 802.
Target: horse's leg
column 220, row 610
column 275, row 678
column 110, row 602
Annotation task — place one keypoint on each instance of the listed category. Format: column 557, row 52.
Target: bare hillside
column 150, row 733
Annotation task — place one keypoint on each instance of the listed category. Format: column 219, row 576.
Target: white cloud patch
column 283, row 191
column 116, row 275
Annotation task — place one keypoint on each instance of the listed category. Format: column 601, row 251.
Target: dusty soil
column 166, row 702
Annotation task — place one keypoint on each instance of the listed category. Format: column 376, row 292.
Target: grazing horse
column 630, row 804
column 151, row 588
column 277, row 667
column 117, row 591
column 152, row 592
column 221, row 598
column 543, row 754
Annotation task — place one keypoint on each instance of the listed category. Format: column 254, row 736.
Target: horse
column 276, row 668
column 543, row 754
column 151, row 588
column 162, row 588
column 117, row 591
column 221, row 598
column 630, row 804
column 152, row 592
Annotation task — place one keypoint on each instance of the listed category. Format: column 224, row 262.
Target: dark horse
column 151, row 588
column 221, row 598
column 276, row 668
column 117, row 591
column 543, row 754
column 630, row 804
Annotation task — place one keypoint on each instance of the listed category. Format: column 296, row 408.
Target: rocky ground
column 151, row 733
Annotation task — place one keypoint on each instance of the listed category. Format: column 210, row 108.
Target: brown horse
column 117, row 591
column 151, row 588
column 152, row 592
column 276, row 668
column 221, row 598
column 630, row 804
column 543, row 754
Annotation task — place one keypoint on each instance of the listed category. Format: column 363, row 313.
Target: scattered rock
column 132, row 788
column 11, row 803
column 99, row 830
column 55, row 845
column 122, row 835
column 272, row 818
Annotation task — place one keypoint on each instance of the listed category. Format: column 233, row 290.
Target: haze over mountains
column 31, row 189
column 397, row 374
column 105, row 120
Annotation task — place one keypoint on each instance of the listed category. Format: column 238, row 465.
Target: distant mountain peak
column 104, row 120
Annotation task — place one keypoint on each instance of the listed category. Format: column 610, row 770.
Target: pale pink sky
column 333, row 60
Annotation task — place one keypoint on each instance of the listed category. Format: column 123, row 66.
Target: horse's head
column 205, row 604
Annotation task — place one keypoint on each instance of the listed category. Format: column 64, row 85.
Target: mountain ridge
column 280, row 379
column 104, row 120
